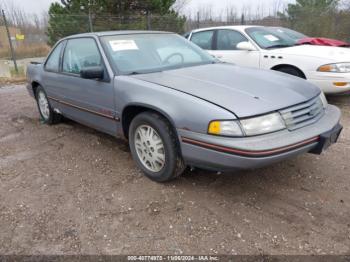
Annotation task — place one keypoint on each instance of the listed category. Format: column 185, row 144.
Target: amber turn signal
column 325, row 68
column 214, row 128
column 340, row 84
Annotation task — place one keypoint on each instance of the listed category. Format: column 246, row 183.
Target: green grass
column 20, row 72
column 16, row 78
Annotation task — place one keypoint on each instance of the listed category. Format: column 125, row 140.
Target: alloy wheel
column 43, row 105
column 150, row 148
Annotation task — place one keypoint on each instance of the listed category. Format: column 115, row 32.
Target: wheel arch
column 130, row 111
column 35, row 85
column 279, row 66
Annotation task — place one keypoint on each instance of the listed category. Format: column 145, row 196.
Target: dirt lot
column 68, row 189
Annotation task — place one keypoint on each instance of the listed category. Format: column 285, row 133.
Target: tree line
column 324, row 18
column 78, row 16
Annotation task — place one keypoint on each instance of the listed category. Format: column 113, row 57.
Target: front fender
column 306, row 64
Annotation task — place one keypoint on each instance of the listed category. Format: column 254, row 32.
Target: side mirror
column 247, row 46
column 92, row 73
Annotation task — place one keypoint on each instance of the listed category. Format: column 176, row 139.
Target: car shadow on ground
column 200, row 177
column 339, row 99
column 283, row 173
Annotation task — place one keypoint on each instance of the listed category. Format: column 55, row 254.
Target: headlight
column 335, row 68
column 248, row 127
column 324, row 100
column 263, row 124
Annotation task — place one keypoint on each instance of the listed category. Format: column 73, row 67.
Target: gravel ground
column 68, row 189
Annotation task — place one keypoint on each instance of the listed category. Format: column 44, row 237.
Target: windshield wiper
column 144, row 72
column 278, row 46
column 134, row 73
column 170, row 67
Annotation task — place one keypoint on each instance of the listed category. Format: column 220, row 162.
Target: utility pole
column 242, row 19
column 90, row 21
column 90, row 18
column 10, row 42
column 198, row 20
column 149, row 21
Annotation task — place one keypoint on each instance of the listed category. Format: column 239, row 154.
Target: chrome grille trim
column 303, row 114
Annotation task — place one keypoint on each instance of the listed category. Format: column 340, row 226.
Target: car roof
column 120, row 32
column 237, row 27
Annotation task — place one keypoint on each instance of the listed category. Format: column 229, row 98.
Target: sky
column 30, row 6
column 218, row 6
column 40, row 6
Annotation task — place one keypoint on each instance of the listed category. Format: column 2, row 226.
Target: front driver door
column 226, row 49
column 52, row 74
column 88, row 101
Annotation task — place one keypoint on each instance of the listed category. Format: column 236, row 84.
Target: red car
column 305, row 40
column 322, row 41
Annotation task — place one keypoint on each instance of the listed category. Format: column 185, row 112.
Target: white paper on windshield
column 121, row 45
column 271, row 38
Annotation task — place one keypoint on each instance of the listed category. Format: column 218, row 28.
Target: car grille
column 303, row 114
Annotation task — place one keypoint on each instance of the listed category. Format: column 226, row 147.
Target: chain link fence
column 31, row 41
column 27, row 40
column 37, row 41
column 63, row 25
column 267, row 21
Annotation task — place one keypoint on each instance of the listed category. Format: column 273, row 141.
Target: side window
column 229, row 39
column 81, row 53
column 203, row 39
column 53, row 63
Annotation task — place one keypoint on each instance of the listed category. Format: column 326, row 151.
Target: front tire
column 47, row 114
column 154, row 147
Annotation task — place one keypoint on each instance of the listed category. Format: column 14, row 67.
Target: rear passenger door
column 88, row 101
column 204, row 39
column 225, row 45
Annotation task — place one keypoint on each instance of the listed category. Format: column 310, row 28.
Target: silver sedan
column 178, row 106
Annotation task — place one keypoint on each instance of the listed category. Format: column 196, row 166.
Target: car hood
column 331, row 53
column 243, row 91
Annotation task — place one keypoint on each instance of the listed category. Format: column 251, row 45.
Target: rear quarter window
column 53, row 62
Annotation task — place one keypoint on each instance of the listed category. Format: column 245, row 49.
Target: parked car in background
column 302, row 39
column 178, row 106
column 272, row 48
column 322, row 41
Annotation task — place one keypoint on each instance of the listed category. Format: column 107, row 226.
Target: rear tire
column 291, row 71
column 155, row 148
column 48, row 116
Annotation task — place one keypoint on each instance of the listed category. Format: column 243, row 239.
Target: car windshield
column 147, row 53
column 271, row 37
column 291, row 33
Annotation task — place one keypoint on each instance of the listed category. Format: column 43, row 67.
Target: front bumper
column 226, row 154
column 326, row 81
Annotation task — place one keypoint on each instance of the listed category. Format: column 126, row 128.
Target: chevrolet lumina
column 178, row 106
column 278, row 49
